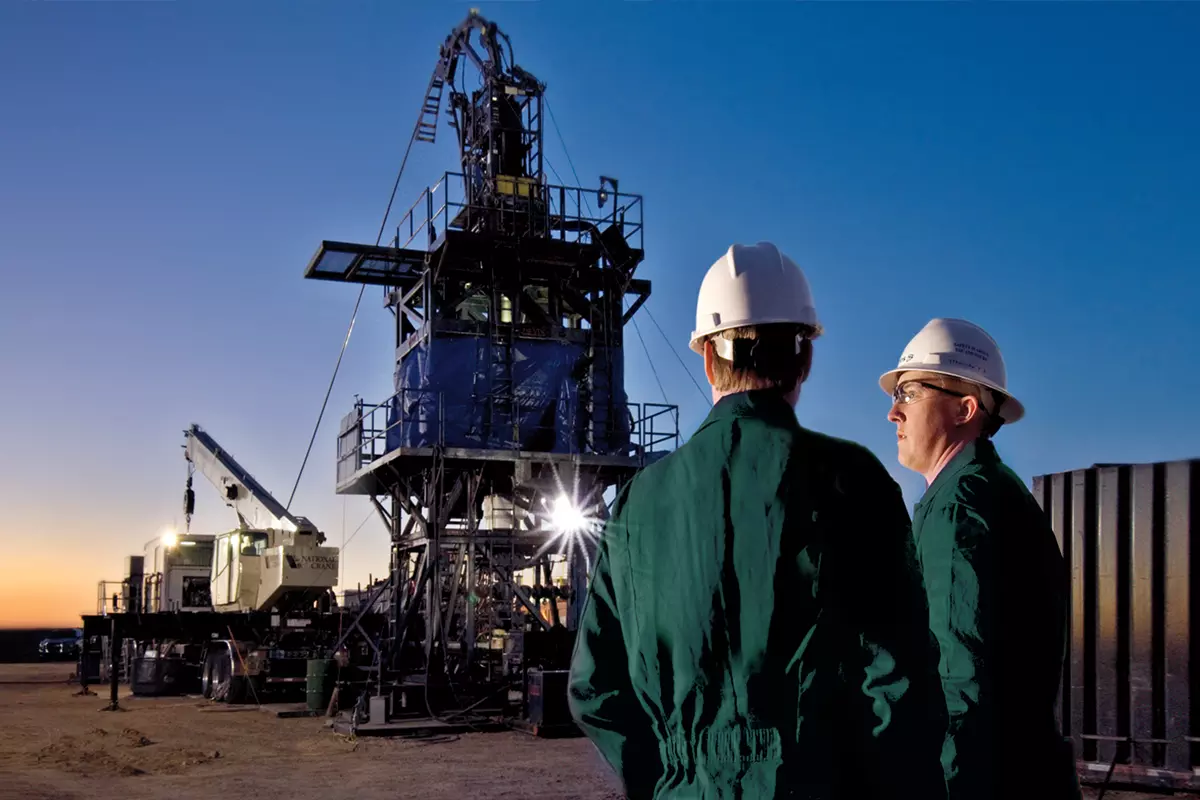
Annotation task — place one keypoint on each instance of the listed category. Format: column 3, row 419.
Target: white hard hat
column 959, row 349
column 752, row 285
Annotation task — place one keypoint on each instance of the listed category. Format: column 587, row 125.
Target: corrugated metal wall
column 1130, row 534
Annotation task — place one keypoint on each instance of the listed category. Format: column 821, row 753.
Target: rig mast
column 509, row 420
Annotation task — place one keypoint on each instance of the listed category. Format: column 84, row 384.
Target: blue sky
column 167, row 170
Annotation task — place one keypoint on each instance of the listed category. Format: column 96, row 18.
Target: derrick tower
column 509, row 420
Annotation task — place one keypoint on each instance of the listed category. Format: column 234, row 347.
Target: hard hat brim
column 810, row 320
column 1012, row 410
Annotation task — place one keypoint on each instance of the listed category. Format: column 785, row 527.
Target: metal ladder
column 502, row 412
column 427, row 121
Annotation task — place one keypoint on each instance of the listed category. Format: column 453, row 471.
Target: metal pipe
column 84, row 652
column 113, row 662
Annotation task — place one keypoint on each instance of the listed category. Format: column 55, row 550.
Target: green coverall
column 756, row 625
column 998, row 593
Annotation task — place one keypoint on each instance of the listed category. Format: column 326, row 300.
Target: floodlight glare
column 566, row 517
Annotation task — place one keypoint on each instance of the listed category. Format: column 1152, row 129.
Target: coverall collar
column 765, row 404
column 979, row 451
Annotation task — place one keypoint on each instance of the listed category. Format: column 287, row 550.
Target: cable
column 345, row 542
column 706, row 395
column 646, row 350
column 567, row 153
column 670, row 346
column 353, row 316
column 1113, row 764
column 571, row 163
column 552, row 169
column 325, row 402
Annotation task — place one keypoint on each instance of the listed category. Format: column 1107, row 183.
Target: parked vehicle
column 63, row 645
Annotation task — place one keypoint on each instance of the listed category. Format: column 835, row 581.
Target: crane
column 274, row 560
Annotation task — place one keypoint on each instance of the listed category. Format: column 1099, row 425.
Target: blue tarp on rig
column 464, row 373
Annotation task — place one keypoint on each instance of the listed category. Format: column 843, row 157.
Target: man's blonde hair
column 776, row 365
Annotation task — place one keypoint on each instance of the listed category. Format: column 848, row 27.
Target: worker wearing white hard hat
column 996, row 581
column 756, row 625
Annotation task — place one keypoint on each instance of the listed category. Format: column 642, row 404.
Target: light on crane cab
column 169, row 539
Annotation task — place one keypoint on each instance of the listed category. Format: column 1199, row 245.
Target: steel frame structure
column 496, row 253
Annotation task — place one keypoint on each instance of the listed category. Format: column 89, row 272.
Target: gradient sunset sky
column 167, row 170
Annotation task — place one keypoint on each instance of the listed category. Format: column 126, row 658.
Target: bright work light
column 566, row 517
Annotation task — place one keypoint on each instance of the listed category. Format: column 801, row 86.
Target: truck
column 234, row 616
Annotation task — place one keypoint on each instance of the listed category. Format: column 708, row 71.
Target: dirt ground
column 56, row 744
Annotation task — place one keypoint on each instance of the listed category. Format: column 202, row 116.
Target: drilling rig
column 509, row 425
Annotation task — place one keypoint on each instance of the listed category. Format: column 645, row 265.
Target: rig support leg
column 114, row 661
column 84, row 653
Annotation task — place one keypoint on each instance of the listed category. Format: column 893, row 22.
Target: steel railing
column 517, row 206
column 419, row 418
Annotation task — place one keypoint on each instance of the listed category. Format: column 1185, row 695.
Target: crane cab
column 270, row 570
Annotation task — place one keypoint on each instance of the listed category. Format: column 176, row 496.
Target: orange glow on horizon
column 38, row 591
column 45, row 606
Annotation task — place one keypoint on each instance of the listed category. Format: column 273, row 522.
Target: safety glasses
column 911, row 391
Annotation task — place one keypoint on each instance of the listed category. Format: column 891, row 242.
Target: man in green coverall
column 997, row 583
column 756, row 625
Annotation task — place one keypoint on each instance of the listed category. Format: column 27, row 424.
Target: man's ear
column 805, row 357
column 968, row 410
column 709, row 355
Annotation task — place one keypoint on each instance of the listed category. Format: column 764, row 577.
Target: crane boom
column 257, row 509
column 274, row 560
